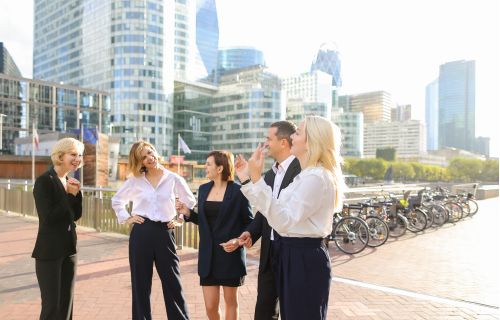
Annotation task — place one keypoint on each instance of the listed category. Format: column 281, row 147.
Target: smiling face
column 299, row 141
column 212, row 171
column 149, row 158
column 273, row 143
column 70, row 161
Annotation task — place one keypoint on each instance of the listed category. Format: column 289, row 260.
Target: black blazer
column 259, row 226
column 234, row 216
column 57, row 210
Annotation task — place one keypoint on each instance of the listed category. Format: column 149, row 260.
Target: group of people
column 295, row 200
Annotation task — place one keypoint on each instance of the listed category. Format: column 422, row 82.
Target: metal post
column 1, row 130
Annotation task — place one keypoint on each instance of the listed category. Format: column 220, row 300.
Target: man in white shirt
column 281, row 174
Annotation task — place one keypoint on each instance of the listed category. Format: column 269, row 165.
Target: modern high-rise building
column 237, row 58
column 407, row 137
column 193, row 118
column 308, row 93
column 351, row 128
column 432, row 114
column 196, row 40
column 49, row 107
column 121, row 47
column 401, row 112
column 7, row 63
column 482, row 146
column 247, row 103
column 328, row 60
column 375, row 106
column 457, row 104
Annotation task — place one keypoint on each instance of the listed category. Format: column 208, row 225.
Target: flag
column 36, row 139
column 181, row 144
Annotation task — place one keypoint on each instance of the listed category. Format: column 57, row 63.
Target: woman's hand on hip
column 135, row 219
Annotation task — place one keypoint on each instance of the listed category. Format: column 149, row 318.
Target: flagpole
column 33, row 153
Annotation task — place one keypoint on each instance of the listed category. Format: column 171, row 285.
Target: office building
column 457, row 107
column 121, row 47
column 7, row 64
column 432, row 114
column 407, row 137
column 49, row 107
column 375, row 106
column 401, row 113
column 351, row 128
column 328, row 60
column 238, row 57
column 249, row 100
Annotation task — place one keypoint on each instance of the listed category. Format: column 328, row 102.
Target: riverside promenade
column 446, row 273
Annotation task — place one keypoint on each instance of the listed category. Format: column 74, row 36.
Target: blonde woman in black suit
column 58, row 202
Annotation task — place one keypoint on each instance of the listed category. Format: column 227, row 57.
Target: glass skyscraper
column 7, row 64
column 121, row 47
column 239, row 57
column 457, row 104
column 328, row 60
column 432, row 114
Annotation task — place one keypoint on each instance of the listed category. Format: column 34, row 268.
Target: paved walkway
column 450, row 273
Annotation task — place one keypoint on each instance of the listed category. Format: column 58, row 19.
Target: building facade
column 7, row 64
column 432, row 114
column 351, row 128
column 247, row 103
column 401, row 112
column 193, row 118
column 308, row 93
column 237, row 58
column 48, row 107
column 375, row 106
column 457, row 107
column 407, row 137
column 121, row 47
column 328, row 60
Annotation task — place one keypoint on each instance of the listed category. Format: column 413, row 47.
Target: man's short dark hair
column 285, row 129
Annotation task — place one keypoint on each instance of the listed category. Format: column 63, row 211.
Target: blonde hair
column 135, row 159
column 323, row 149
column 64, row 146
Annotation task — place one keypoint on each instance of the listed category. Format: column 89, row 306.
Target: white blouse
column 157, row 204
column 304, row 209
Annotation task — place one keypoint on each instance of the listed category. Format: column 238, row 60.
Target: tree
column 490, row 171
column 403, row 171
column 388, row 154
column 374, row 168
column 466, row 170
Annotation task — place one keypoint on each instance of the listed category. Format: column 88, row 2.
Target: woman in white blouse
column 302, row 215
column 152, row 190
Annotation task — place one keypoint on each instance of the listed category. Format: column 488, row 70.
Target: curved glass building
column 238, row 58
column 116, row 46
column 328, row 60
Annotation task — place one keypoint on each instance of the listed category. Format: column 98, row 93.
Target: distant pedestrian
column 302, row 215
column 58, row 203
column 152, row 190
column 223, row 214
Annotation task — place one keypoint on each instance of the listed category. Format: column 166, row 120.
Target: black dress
column 211, row 211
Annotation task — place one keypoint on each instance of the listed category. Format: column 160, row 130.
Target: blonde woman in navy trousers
column 302, row 215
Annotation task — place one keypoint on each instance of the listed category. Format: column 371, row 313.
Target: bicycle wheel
column 397, row 225
column 473, row 207
column 417, row 220
column 465, row 209
column 378, row 231
column 440, row 214
column 430, row 217
column 455, row 211
column 351, row 235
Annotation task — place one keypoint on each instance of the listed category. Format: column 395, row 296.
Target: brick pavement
column 451, row 273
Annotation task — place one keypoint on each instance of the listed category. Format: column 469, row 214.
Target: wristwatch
column 246, row 181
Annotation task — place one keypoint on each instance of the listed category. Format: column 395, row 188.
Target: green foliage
column 373, row 168
column 466, row 170
column 402, row 171
column 490, row 171
column 388, row 154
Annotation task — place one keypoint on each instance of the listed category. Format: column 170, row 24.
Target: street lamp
column 1, row 130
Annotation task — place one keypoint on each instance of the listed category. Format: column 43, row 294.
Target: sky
column 391, row 45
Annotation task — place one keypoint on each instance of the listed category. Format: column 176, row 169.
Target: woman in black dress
column 223, row 213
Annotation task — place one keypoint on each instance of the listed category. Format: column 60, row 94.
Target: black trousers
column 302, row 269
column 266, row 307
column 154, row 242
column 56, row 279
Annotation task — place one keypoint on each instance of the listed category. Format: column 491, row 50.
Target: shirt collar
column 284, row 165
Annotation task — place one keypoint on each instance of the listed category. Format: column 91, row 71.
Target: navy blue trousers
column 154, row 242
column 302, row 268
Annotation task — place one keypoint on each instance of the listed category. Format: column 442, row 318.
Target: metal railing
column 17, row 197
